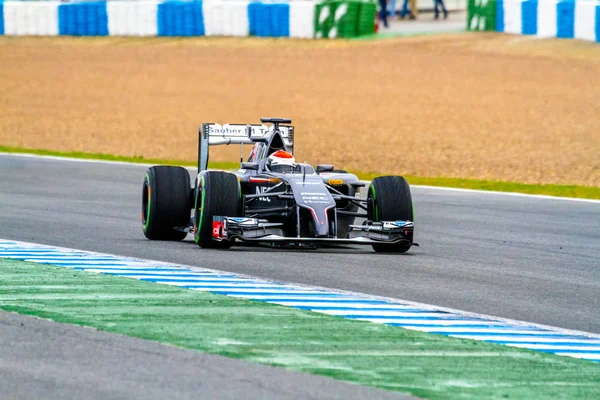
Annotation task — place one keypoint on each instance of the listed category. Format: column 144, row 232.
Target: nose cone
column 321, row 221
column 311, row 193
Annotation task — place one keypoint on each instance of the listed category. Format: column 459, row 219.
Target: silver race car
column 272, row 199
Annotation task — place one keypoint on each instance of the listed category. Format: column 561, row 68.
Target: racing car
column 272, row 199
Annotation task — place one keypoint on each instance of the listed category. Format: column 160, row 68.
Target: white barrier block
column 130, row 11
column 585, row 19
column 302, row 14
column 237, row 18
column 23, row 19
column 512, row 17
column 31, row 15
column 13, row 18
column 47, row 18
column 52, row 17
column 117, row 18
column 39, row 20
column 10, row 20
column 226, row 21
column 113, row 15
column 146, row 23
column 546, row 16
column 213, row 17
column 207, row 15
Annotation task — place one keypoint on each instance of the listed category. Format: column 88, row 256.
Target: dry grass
column 473, row 106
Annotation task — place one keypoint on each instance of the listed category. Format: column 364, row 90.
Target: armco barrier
column 578, row 19
column 300, row 19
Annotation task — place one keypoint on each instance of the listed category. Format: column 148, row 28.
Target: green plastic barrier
column 366, row 19
column 481, row 15
column 344, row 19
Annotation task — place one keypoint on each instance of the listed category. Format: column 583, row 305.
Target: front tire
column 217, row 193
column 166, row 203
column 390, row 200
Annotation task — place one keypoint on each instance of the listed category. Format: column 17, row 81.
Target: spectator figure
column 437, row 12
column 412, row 13
column 392, row 9
column 414, row 10
column 383, row 12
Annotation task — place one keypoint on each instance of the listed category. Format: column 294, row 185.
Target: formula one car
column 272, row 199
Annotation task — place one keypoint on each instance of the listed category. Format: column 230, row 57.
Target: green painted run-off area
column 425, row 365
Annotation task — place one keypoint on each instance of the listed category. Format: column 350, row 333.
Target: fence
column 579, row 19
column 299, row 19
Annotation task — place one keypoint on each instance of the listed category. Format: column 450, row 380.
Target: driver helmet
column 281, row 161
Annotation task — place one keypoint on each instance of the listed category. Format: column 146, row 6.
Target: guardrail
column 299, row 19
column 579, row 19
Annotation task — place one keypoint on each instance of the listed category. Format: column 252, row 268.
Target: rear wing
column 213, row 134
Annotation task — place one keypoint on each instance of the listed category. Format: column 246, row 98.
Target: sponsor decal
column 217, row 229
column 315, row 198
column 228, row 130
column 261, row 190
column 401, row 223
column 308, row 183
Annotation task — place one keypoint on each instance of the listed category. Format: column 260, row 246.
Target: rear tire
column 390, row 200
column 218, row 193
column 166, row 203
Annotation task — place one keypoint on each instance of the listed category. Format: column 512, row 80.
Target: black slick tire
column 390, row 200
column 166, row 203
column 217, row 194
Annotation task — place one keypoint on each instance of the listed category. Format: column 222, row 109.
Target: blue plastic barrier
column 253, row 11
column 198, row 19
column 102, row 18
column 1, row 17
column 83, row 19
column 565, row 19
column 529, row 17
column 269, row 20
column 280, row 18
column 598, row 23
column 180, row 18
column 500, row 16
column 188, row 19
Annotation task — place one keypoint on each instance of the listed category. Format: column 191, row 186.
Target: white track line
column 467, row 191
column 356, row 306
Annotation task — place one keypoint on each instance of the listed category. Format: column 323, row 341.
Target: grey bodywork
column 307, row 205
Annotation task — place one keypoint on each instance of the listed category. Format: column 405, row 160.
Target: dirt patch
column 484, row 106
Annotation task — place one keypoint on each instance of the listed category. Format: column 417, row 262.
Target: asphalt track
column 519, row 257
column 82, row 363
column 525, row 258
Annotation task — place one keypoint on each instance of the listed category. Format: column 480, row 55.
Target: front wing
column 253, row 230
